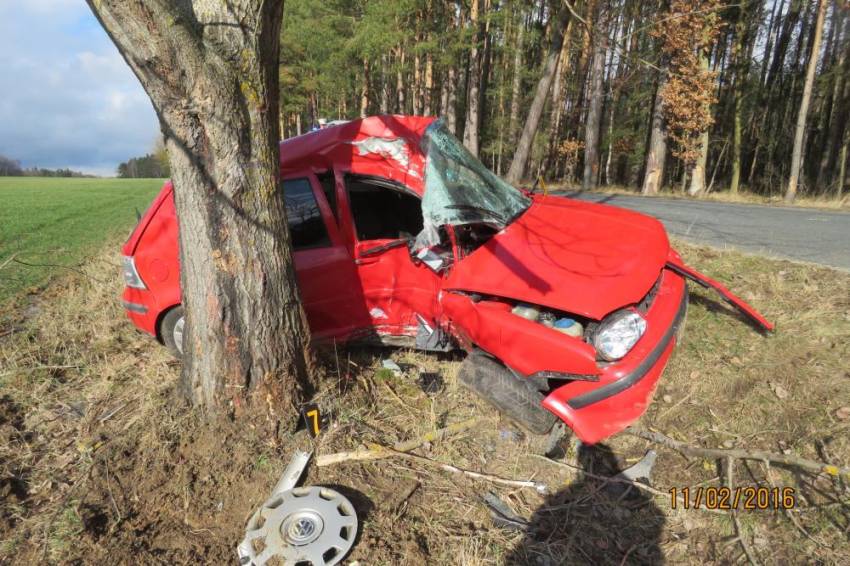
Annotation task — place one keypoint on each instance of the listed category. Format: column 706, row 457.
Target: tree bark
column 532, row 121
column 800, row 130
column 657, row 150
column 211, row 71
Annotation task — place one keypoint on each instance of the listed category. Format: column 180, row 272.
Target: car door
column 382, row 217
column 327, row 279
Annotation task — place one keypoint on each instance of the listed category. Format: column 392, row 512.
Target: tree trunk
column 399, row 85
column 364, row 91
column 385, row 90
column 698, row 169
column 800, row 130
column 451, row 106
column 517, row 169
column 214, row 85
column 516, row 83
column 741, row 62
column 594, row 109
column 473, row 95
column 429, row 83
column 657, row 150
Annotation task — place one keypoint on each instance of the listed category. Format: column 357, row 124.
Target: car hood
column 583, row 258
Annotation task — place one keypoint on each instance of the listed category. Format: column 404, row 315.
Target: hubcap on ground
column 314, row 525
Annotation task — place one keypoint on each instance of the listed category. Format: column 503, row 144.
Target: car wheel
column 171, row 331
column 514, row 397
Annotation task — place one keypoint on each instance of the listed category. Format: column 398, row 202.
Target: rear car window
column 306, row 227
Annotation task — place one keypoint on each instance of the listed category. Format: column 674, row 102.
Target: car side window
column 306, row 226
column 328, row 183
column 382, row 210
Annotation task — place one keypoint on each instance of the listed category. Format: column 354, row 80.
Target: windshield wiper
column 495, row 215
column 384, row 247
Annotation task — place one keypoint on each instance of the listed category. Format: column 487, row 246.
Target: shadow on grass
column 593, row 521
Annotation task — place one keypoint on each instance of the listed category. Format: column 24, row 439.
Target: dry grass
column 101, row 461
column 743, row 197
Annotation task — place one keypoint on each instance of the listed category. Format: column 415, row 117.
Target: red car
column 569, row 310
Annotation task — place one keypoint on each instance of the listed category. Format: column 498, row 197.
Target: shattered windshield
column 459, row 189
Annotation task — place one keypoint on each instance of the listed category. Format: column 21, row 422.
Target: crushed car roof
column 385, row 145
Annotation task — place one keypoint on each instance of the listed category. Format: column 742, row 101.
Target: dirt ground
column 102, row 462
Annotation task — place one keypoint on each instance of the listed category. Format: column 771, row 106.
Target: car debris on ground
column 299, row 525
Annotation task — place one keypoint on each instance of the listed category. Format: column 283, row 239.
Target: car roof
column 386, row 146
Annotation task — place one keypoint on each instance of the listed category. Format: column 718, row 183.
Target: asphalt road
column 802, row 234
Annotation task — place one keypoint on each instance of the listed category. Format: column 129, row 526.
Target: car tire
column 514, row 397
column 171, row 331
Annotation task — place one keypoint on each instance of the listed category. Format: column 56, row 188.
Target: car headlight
column 618, row 333
column 131, row 276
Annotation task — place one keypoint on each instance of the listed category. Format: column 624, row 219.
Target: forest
column 691, row 96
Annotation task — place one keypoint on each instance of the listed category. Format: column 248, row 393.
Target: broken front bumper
column 596, row 410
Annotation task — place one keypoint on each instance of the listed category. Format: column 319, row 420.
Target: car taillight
column 131, row 276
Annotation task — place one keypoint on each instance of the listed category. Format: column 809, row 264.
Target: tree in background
column 722, row 80
column 800, row 130
column 211, row 70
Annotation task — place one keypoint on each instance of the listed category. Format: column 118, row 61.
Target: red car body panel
column 675, row 263
column 580, row 258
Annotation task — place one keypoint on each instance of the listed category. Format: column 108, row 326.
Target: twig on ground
column 742, row 538
column 641, row 486
column 739, row 454
column 377, row 451
column 537, row 486
column 788, row 513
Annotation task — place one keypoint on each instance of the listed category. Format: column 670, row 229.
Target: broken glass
column 459, row 189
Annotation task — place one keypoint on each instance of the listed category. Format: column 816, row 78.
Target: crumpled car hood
column 579, row 257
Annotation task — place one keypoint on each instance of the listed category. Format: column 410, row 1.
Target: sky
column 67, row 98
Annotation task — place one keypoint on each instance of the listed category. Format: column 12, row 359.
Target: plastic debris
column 641, row 470
column 502, row 515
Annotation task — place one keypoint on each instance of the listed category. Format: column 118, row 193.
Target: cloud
column 69, row 99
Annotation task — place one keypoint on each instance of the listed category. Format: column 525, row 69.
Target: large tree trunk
column 517, row 169
column 657, row 149
column 800, row 130
column 211, row 70
column 594, row 108
column 473, row 93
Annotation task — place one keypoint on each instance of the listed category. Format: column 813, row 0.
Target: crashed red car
column 569, row 309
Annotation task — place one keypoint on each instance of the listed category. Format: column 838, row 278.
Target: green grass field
column 60, row 221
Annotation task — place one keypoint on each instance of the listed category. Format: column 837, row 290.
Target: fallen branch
column 377, row 451
column 537, row 486
column 739, row 454
column 745, row 544
column 641, row 486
